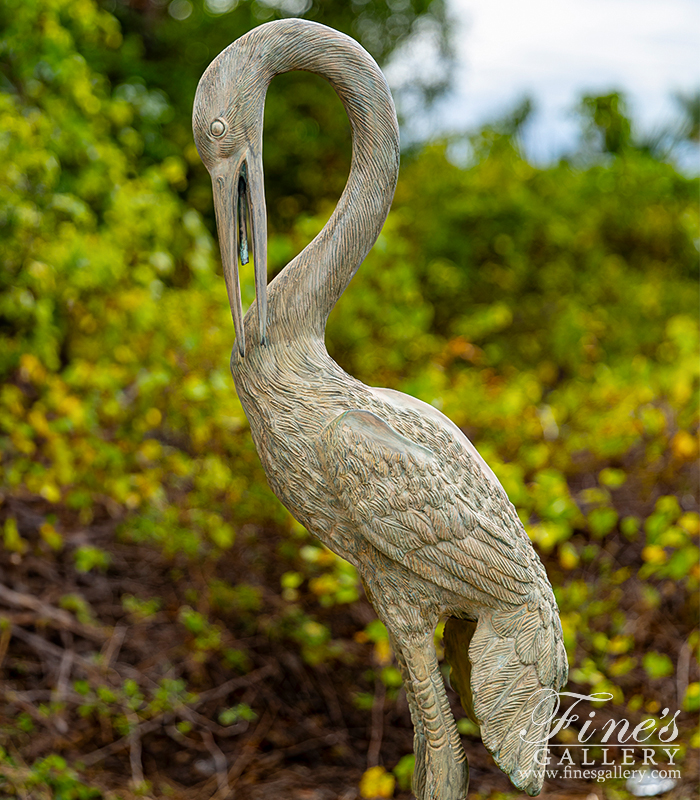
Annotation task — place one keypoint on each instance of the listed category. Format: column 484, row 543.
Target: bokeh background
column 166, row 629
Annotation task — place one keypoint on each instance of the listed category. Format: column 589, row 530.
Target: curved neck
column 305, row 292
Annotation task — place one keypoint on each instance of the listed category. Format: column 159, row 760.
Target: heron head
column 227, row 125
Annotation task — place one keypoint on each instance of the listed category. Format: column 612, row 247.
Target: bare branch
column 112, row 646
column 57, row 615
column 62, row 688
column 151, row 725
column 220, row 763
column 375, row 743
column 135, row 749
column 121, row 744
column 5, row 637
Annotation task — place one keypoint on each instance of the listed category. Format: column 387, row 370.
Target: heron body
column 382, row 479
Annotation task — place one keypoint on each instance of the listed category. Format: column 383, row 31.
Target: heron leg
column 446, row 769
column 441, row 770
column 419, row 739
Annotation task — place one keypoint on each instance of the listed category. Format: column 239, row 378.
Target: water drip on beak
column 243, row 219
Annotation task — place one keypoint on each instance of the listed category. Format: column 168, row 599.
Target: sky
column 557, row 50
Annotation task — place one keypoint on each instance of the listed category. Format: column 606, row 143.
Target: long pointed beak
column 239, row 199
column 255, row 188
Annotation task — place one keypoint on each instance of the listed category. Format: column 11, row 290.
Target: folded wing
column 426, row 514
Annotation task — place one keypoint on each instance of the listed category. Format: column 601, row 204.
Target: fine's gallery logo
column 616, row 748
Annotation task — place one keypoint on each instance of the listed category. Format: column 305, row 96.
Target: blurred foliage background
column 167, row 629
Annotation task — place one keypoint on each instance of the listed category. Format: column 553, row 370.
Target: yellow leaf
column 123, row 354
column 51, row 492
column 684, row 446
column 32, row 369
column 22, row 443
column 382, row 652
column 153, row 417
column 72, row 408
column 568, row 557
column 377, row 783
column 38, row 421
column 51, row 536
column 690, row 522
column 13, row 541
column 653, row 554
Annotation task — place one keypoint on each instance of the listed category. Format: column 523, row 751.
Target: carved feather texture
column 514, row 726
column 517, row 648
column 372, row 467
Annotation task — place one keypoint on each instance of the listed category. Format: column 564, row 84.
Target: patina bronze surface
column 384, row 480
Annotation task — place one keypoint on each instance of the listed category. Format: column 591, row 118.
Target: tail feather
column 510, row 661
column 497, row 710
column 511, row 749
column 546, row 657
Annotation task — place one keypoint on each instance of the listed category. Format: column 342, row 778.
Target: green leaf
column 657, row 665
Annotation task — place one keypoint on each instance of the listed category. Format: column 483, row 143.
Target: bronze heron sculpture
column 384, row 480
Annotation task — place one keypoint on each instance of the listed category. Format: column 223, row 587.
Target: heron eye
column 218, row 128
